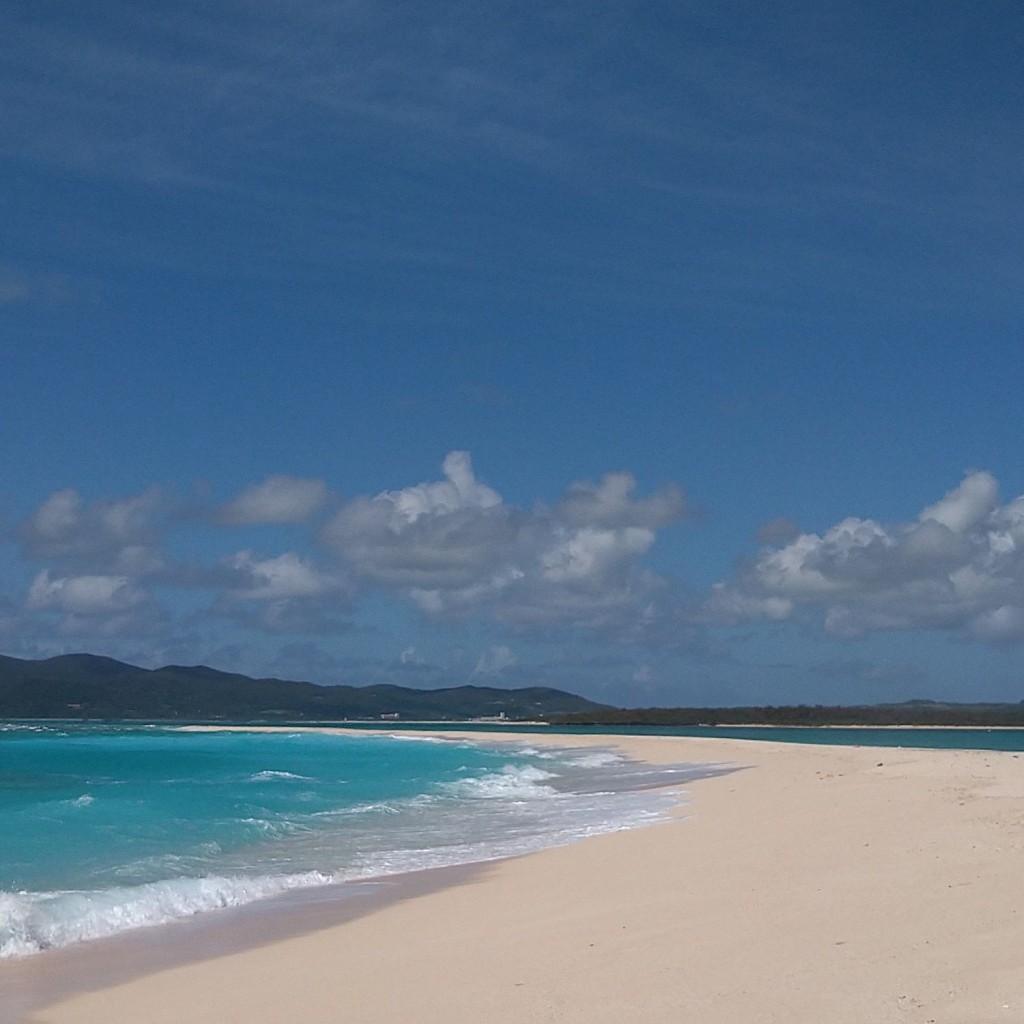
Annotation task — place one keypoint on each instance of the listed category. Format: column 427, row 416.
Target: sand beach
column 816, row 884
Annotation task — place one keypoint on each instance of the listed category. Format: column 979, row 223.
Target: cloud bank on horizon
column 117, row 574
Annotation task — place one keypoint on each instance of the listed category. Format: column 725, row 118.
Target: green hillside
column 87, row 686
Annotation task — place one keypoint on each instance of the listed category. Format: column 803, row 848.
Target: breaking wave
column 32, row 921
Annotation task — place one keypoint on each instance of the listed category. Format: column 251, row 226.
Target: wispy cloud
column 20, row 287
column 395, row 117
column 13, row 289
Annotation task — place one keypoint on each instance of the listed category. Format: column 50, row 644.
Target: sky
column 664, row 352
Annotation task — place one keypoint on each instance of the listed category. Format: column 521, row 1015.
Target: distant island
column 86, row 686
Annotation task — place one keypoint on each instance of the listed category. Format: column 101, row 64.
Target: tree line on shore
column 917, row 712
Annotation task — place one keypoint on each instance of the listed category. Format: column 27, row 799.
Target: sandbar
column 818, row 884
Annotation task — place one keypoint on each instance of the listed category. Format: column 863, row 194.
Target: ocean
column 108, row 828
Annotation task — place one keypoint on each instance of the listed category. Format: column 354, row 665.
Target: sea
column 106, row 828
column 109, row 828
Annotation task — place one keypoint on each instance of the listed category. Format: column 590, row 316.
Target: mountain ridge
column 92, row 686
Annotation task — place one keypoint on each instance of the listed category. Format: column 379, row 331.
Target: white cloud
column 119, row 535
column 451, row 547
column 611, row 504
column 1005, row 623
column 455, row 547
column 958, row 567
column 57, row 517
column 83, row 595
column 967, row 505
column 281, row 594
column 442, row 535
column 590, row 553
column 274, row 579
column 459, row 490
column 277, row 499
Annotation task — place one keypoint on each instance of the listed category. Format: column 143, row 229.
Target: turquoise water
column 108, row 828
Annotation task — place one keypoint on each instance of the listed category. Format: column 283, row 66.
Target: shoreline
column 28, row 984
column 32, row 982
column 824, row 883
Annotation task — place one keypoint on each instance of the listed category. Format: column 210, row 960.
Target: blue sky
column 664, row 352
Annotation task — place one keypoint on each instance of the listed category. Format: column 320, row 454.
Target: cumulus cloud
column 283, row 576
column 84, row 595
column 277, row 499
column 965, row 506
column 452, row 547
column 456, row 547
column 119, row 535
column 279, row 594
column 958, row 567
column 611, row 504
column 592, row 553
column 443, row 535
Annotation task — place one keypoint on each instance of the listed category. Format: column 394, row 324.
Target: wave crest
column 31, row 922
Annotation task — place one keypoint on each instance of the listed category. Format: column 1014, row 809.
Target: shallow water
column 111, row 828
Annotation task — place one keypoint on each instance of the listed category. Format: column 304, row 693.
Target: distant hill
column 87, row 686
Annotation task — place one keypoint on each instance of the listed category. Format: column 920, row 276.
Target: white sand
column 816, row 886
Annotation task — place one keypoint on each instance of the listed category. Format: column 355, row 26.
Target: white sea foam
column 374, row 808
column 267, row 776
column 31, row 922
column 411, row 738
column 516, row 782
column 596, row 759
